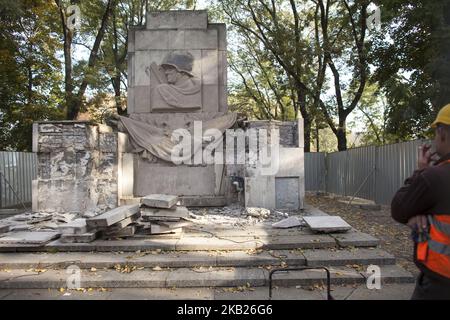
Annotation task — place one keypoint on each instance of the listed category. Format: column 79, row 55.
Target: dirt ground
column 395, row 237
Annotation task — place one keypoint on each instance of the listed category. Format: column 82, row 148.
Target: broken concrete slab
column 327, row 224
column 175, row 225
column 157, row 229
column 146, row 218
column 123, row 223
column 178, row 211
column 77, row 226
column 160, row 201
column 79, row 238
column 288, row 223
column 128, row 231
column 28, row 237
column 113, row 216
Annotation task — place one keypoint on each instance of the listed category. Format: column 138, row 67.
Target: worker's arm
column 413, row 199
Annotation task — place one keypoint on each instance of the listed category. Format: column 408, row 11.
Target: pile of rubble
column 157, row 215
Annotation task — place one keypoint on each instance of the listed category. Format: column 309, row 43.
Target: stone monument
column 177, row 74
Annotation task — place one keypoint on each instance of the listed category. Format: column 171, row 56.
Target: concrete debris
column 113, row 216
column 77, row 226
column 160, row 201
column 79, row 238
column 290, row 222
column 257, row 212
column 28, row 237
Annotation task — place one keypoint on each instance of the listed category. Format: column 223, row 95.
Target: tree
column 29, row 70
column 74, row 100
column 412, row 59
column 309, row 39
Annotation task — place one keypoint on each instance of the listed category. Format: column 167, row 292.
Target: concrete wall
column 79, row 167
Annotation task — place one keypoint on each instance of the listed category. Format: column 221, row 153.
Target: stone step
column 194, row 277
column 395, row 291
column 250, row 258
column 195, row 243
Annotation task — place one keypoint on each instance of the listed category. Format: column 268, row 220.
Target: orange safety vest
column 434, row 253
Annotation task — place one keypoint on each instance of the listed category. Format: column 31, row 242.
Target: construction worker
column 423, row 203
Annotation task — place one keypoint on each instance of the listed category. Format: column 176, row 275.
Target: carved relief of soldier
column 173, row 85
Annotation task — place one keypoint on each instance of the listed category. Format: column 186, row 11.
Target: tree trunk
column 341, row 135
column 301, row 98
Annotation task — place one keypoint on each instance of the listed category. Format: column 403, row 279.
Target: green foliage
column 30, row 72
column 412, row 59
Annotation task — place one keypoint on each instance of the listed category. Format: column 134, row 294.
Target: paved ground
column 395, row 237
column 387, row 292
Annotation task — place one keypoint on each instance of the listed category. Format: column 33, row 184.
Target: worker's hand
column 424, row 156
column 418, row 223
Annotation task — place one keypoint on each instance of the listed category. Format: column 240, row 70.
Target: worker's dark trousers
column 430, row 289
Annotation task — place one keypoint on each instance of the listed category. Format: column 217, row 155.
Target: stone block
column 152, row 40
column 26, row 237
column 128, row 231
column 113, row 216
column 141, row 99
column 179, row 180
column 131, row 40
column 210, row 67
column 288, row 223
column 201, row 39
column 140, row 68
column 159, row 201
column 77, row 226
column 210, row 99
column 327, row 224
column 78, row 238
column 175, row 212
column 176, row 39
column 179, row 19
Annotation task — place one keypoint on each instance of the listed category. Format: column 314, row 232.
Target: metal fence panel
column 17, row 170
column 315, row 171
column 373, row 173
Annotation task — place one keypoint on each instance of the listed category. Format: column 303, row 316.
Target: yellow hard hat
column 442, row 117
